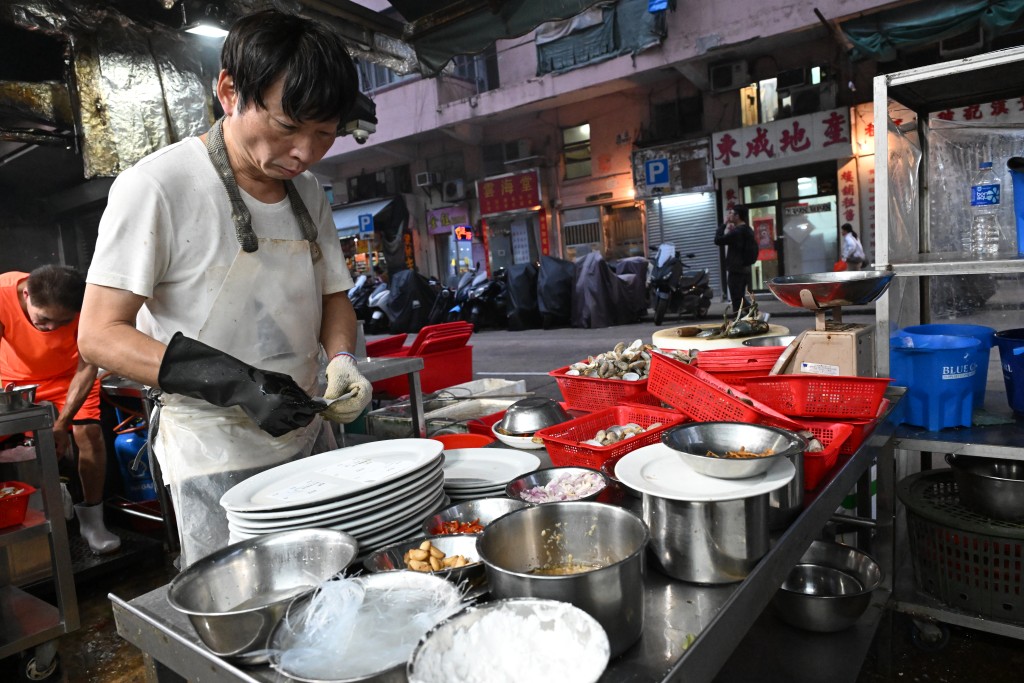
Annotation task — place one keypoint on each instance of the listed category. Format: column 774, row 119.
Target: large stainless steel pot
column 785, row 503
column 708, row 542
column 555, row 534
column 993, row 487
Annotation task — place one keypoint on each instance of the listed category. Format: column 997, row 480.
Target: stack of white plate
column 483, row 472
column 378, row 492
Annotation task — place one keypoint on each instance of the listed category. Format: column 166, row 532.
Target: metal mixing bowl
column 515, row 488
column 486, row 510
column 553, row 535
column 990, row 486
column 527, row 415
column 692, row 441
column 829, row 589
column 854, row 288
column 17, row 397
column 778, row 340
column 389, row 558
column 235, row 596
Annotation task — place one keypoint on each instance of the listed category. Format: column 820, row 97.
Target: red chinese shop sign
column 513, row 192
column 785, row 142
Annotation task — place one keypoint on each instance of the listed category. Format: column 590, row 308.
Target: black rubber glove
column 273, row 400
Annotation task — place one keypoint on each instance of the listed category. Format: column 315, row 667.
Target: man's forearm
column 78, row 391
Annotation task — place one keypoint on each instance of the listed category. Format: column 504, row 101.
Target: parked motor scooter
column 677, row 289
column 377, row 321
column 466, row 282
column 359, row 295
column 486, row 305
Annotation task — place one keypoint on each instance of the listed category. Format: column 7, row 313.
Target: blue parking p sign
column 365, row 223
column 656, row 172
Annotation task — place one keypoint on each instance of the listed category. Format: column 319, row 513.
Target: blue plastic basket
column 983, row 334
column 1011, row 353
column 939, row 372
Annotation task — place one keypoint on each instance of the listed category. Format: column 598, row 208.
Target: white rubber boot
column 94, row 531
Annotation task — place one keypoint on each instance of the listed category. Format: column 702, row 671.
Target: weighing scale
column 832, row 347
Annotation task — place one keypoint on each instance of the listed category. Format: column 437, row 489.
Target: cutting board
column 669, row 339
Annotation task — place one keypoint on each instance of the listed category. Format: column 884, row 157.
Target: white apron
column 266, row 313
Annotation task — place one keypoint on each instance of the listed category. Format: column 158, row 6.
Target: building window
column 373, row 76
column 480, row 69
column 576, row 151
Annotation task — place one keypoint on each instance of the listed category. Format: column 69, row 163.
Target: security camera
column 359, row 129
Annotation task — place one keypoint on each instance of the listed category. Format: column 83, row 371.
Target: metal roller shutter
column 690, row 223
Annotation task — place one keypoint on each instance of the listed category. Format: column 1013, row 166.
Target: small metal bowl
column 389, row 558
column 526, row 416
column 235, row 596
column 829, row 589
column 17, row 397
column 518, row 486
column 486, row 510
column 778, row 340
column 693, row 441
column 993, row 487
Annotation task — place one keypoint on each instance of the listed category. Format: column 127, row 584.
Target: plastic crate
column 861, row 430
column 817, row 464
column 836, row 397
column 966, row 560
column 735, row 360
column 563, row 440
column 738, row 379
column 705, row 398
column 593, row 393
column 14, row 507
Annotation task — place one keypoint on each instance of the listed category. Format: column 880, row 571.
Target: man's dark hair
column 320, row 79
column 56, row 287
column 741, row 211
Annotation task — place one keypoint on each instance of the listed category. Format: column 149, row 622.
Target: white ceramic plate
column 659, row 471
column 526, row 442
column 419, row 504
column 364, row 510
column 369, row 498
column 379, row 539
column 331, row 475
column 482, row 468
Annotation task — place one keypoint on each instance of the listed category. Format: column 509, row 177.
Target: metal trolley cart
column 26, row 622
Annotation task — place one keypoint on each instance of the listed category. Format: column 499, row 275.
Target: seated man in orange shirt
column 39, row 345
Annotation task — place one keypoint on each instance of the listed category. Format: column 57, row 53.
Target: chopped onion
column 566, row 486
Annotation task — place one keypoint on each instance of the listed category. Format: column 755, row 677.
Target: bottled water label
column 985, row 195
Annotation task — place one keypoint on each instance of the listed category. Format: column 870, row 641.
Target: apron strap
column 240, row 216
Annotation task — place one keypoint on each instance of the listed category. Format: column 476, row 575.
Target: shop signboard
column 441, row 221
column 511, row 192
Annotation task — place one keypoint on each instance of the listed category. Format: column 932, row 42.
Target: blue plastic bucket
column 983, row 334
column 938, row 372
column 1011, row 356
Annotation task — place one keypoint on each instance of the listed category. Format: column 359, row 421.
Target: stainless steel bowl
column 527, row 415
column 693, row 441
column 990, row 486
column 485, row 510
column 778, row 340
column 439, row 650
column 518, row 486
column 17, row 397
column 235, row 596
column 829, row 589
column 390, row 557
column 553, row 535
column 851, row 288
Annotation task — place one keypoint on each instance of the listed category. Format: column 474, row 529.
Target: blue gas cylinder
column 138, row 483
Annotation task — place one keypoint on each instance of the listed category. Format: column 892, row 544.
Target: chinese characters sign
column 997, row 111
column 441, row 221
column 800, row 139
column 514, row 192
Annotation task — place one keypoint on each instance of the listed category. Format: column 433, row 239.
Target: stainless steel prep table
column 718, row 617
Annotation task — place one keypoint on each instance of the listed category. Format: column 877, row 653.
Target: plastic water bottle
column 985, row 195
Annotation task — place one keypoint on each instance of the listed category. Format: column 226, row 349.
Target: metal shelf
column 994, row 441
column 36, row 524
column 941, row 86
column 956, row 263
column 916, row 603
column 25, row 621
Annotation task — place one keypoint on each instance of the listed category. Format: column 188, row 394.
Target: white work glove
column 343, row 378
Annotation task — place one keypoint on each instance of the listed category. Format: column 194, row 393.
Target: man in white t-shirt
column 218, row 276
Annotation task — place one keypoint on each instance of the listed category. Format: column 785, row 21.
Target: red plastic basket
column 593, row 393
column 817, row 464
column 862, row 429
column 563, row 440
column 738, row 380
column 735, row 360
column 705, row 398
column 14, row 507
column 843, row 397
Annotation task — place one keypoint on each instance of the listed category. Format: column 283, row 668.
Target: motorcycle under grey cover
column 555, row 283
column 636, row 268
column 409, row 302
column 521, row 296
column 601, row 298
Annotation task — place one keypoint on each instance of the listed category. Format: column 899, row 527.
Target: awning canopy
column 346, row 218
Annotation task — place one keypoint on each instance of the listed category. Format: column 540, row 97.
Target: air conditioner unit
column 517, row 149
column 728, row 76
column 453, row 190
column 427, row 179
